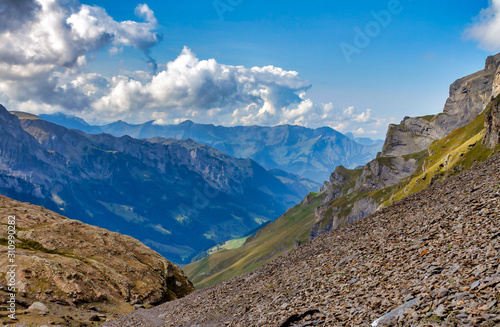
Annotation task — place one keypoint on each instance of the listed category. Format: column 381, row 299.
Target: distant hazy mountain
column 310, row 153
column 363, row 140
column 299, row 184
column 178, row 197
column 70, row 122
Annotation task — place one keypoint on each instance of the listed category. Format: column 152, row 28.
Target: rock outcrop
column 428, row 260
column 384, row 172
column 496, row 83
column 469, row 96
column 377, row 174
column 64, row 263
column 492, row 124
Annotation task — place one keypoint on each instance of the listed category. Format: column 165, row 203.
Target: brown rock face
column 63, row 260
column 492, row 125
column 496, row 83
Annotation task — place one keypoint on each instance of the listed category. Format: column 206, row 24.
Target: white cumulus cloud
column 190, row 87
column 55, row 39
column 486, row 28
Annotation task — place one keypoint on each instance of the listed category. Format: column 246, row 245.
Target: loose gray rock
column 393, row 316
column 38, row 307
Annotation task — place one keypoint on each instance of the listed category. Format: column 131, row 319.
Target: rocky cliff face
column 492, row 125
column 385, row 172
column 377, row 174
column 468, row 98
column 68, row 265
column 496, row 83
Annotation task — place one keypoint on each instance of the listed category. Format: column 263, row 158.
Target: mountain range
column 309, row 153
column 178, row 197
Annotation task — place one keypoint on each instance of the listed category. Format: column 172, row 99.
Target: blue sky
column 423, row 46
column 405, row 70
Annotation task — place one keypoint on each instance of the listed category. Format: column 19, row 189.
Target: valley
column 157, row 190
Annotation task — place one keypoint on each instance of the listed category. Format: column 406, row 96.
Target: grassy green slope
column 458, row 151
column 276, row 238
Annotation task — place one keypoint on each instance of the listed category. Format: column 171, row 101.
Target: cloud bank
column 486, row 28
column 54, row 40
column 43, row 68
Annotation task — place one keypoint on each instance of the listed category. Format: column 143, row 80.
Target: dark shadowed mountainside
column 178, row 197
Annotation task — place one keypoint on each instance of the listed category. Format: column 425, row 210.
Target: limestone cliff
column 492, row 125
column 468, row 98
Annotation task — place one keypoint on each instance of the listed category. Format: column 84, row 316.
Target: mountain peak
column 187, row 123
column 492, row 63
column 4, row 113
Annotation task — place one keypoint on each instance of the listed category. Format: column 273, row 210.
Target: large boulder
column 60, row 260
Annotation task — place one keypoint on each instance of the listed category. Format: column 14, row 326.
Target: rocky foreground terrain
column 431, row 259
column 72, row 274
